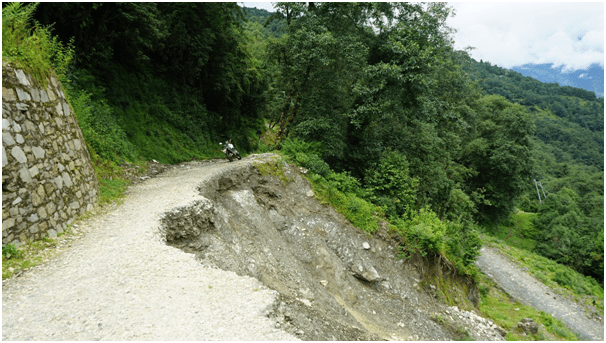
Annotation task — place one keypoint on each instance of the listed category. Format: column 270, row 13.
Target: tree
column 498, row 150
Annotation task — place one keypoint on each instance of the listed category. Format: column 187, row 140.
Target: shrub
column 10, row 251
column 290, row 147
column 317, row 165
column 32, row 47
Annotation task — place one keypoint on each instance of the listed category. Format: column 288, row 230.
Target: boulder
column 528, row 325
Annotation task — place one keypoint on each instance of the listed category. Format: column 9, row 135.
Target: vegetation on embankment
column 394, row 123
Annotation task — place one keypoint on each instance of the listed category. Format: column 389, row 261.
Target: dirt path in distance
column 530, row 291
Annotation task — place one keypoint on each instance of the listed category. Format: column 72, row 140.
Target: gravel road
column 530, row 291
column 119, row 282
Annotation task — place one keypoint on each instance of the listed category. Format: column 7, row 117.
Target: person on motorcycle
column 227, row 143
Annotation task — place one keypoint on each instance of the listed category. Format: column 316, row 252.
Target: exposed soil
column 330, row 285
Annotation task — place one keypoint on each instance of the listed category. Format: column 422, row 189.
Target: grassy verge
column 17, row 259
column 518, row 231
column 506, row 313
column 562, row 279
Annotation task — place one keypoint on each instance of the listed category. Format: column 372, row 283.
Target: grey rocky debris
column 528, row 325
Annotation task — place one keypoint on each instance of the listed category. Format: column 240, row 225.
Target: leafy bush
column 290, row 147
column 390, row 184
column 99, row 126
column 317, row 165
column 10, row 251
column 32, row 48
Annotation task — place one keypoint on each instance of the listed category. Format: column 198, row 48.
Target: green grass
column 506, row 313
column 580, row 288
column 26, row 256
column 517, row 231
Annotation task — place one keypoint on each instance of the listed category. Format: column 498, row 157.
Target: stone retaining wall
column 47, row 174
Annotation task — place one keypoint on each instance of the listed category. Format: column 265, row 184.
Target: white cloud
column 570, row 35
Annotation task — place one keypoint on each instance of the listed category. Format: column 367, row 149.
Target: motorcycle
column 230, row 152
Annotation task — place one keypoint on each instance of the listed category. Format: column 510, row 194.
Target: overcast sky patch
column 568, row 35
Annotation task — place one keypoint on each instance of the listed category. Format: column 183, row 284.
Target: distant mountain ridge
column 591, row 79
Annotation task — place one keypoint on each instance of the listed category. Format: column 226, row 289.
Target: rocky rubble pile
column 478, row 328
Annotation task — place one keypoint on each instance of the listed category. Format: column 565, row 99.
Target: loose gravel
column 119, row 282
column 530, row 291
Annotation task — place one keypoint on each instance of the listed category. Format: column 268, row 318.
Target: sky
column 565, row 34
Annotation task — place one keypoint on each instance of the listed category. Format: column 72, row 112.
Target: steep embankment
column 326, row 279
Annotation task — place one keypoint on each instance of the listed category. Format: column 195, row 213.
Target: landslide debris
column 334, row 281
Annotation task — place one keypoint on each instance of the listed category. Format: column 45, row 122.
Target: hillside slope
column 243, row 222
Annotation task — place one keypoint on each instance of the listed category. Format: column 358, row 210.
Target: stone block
column 59, row 110
column 59, row 182
column 51, row 94
column 41, row 127
column 78, row 194
column 19, row 139
column 35, row 94
column 42, row 213
column 52, row 233
column 4, row 159
column 71, row 165
column 8, row 94
column 33, row 228
column 36, row 201
column 66, row 179
column 7, row 138
column 25, row 175
column 33, row 218
column 21, row 77
column 17, row 153
column 23, row 95
column 16, row 127
column 74, row 205
column 33, row 171
column 43, row 96
column 89, row 207
column 7, row 224
column 18, row 200
column 6, row 124
column 38, row 152
column 41, row 191
column 50, row 208
column 66, row 109
column 43, row 226
column 21, row 106
column 77, row 144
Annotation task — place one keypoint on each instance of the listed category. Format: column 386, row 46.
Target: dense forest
column 371, row 97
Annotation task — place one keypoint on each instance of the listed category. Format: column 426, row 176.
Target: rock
column 324, row 282
column 310, row 193
column 300, row 332
column 21, row 77
column 528, row 325
column 501, row 331
column 7, row 138
column 365, row 245
column 367, row 273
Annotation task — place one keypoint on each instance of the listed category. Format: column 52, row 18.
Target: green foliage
column 291, row 147
column 499, row 152
column 359, row 212
column 96, row 119
column 570, row 236
column 275, row 168
column 390, row 184
column 10, row 251
column 31, row 46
